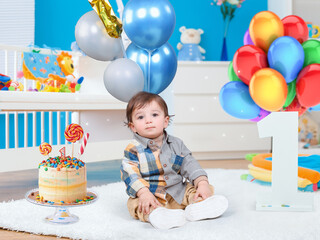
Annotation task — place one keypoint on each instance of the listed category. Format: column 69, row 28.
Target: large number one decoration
column 283, row 128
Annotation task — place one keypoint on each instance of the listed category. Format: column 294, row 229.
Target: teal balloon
column 286, row 55
column 235, row 99
column 311, row 51
column 231, row 74
column 149, row 23
column 163, row 66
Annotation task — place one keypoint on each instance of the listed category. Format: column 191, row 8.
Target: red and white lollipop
column 83, row 144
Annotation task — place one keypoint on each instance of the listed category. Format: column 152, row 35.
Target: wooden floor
column 14, row 185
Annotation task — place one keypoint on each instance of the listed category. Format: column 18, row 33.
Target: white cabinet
column 206, row 129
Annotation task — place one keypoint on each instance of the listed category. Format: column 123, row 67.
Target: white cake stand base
column 61, row 214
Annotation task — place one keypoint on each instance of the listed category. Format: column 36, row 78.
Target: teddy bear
column 189, row 49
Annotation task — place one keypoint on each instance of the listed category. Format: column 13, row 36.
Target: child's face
column 149, row 121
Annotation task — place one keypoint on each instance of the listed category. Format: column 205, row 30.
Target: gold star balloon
column 104, row 10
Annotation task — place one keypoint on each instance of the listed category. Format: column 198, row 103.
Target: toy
column 16, row 86
column 5, row 82
column 314, row 30
column 38, row 66
column 189, row 49
column 75, row 48
column 260, row 171
column 52, row 73
column 308, row 130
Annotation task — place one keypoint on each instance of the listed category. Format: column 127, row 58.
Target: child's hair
column 140, row 100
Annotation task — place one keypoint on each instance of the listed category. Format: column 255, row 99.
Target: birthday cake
column 63, row 179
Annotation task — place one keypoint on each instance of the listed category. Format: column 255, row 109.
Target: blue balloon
column 149, row 23
column 235, row 99
column 286, row 55
column 315, row 108
column 163, row 66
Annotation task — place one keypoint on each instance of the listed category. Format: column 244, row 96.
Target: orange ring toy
column 261, row 161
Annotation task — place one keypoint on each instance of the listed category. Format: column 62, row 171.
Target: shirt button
column 151, row 142
column 166, row 177
column 164, row 165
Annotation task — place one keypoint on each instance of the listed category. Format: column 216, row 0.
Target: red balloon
column 247, row 60
column 308, row 85
column 295, row 106
column 295, row 27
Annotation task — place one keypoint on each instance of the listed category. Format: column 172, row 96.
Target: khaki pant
column 133, row 203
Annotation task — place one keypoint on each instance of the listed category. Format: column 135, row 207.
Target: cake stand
column 61, row 214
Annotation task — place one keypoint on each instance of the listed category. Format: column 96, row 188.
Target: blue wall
column 55, row 21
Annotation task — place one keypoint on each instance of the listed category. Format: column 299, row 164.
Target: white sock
column 211, row 207
column 163, row 218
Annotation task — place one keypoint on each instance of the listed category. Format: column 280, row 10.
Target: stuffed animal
column 189, row 49
column 5, row 82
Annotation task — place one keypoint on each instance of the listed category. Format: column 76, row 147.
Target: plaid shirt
column 162, row 171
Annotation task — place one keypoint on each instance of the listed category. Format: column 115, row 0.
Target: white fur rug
column 108, row 217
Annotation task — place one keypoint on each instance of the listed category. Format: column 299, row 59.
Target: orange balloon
column 264, row 28
column 268, row 89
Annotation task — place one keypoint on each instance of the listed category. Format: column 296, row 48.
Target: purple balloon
column 247, row 39
column 263, row 113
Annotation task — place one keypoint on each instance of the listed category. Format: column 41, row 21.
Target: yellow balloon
column 268, row 89
column 264, row 28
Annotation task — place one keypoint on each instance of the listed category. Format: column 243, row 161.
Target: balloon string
column 149, row 71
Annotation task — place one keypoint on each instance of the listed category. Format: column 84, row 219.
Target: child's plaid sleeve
column 130, row 171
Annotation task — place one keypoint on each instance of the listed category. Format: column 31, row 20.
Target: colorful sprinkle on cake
column 62, row 162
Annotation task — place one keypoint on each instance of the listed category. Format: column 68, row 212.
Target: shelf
column 32, row 101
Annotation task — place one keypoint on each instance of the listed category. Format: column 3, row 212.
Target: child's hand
column 203, row 191
column 147, row 200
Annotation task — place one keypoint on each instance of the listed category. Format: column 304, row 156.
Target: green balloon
column 232, row 75
column 311, row 50
column 291, row 93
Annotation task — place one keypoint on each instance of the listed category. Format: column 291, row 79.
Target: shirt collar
column 145, row 141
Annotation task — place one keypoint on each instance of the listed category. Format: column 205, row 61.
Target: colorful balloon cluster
column 278, row 69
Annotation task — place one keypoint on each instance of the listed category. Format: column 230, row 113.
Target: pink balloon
column 247, row 39
column 263, row 113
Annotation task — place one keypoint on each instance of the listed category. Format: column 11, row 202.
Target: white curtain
column 16, row 28
column 17, row 22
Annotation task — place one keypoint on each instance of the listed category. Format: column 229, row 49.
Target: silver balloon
column 93, row 39
column 123, row 78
